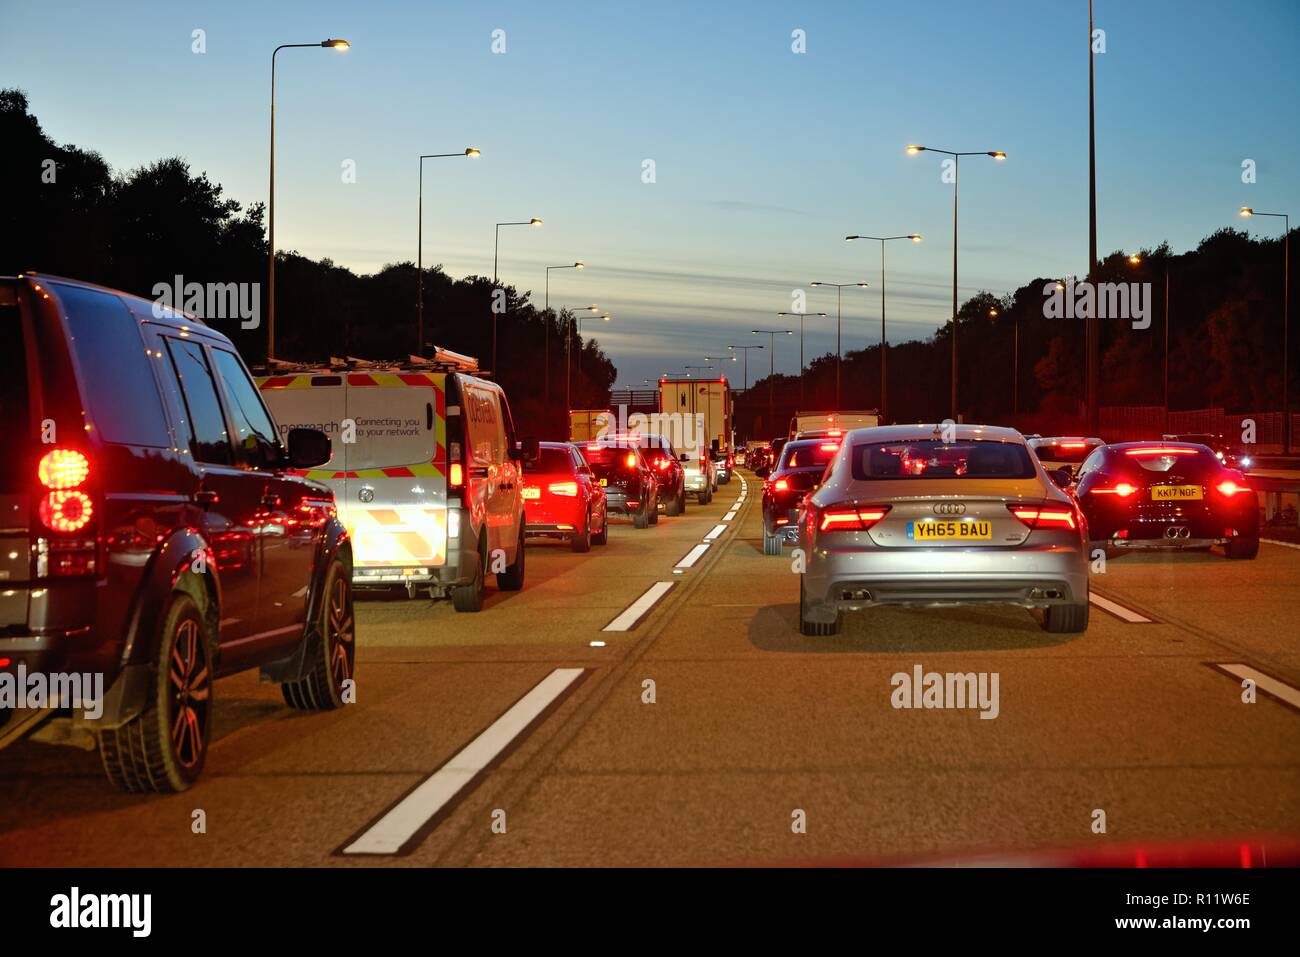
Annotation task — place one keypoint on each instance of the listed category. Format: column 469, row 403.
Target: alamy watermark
column 211, row 300
column 1102, row 300
column 37, row 690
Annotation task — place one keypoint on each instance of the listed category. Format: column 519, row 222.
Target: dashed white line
column 634, row 612
column 1118, row 610
column 717, row 530
column 693, row 556
column 404, row 821
column 1266, row 683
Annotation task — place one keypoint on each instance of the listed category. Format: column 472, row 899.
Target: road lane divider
column 717, row 530
column 630, row 616
column 693, row 556
column 1118, row 610
column 1275, row 688
column 411, row 818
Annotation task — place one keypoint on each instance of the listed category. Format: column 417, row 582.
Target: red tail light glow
column 569, row 489
column 63, row 469
column 780, row 485
column 1036, row 517
column 631, row 460
column 1231, row 488
column 457, row 476
column 852, row 519
column 66, row 511
column 1158, row 450
column 830, row 446
column 1123, row 490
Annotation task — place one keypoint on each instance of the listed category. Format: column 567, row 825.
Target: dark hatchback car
column 1141, row 495
column 629, row 484
column 800, row 469
column 670, row 477
column 153, row 532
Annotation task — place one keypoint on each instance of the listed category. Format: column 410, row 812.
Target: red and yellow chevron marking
column 396, row 535
column 397, row 471
column 384, row 379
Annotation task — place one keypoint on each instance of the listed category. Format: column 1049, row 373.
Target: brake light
column 851, row 519
column 457, row 475
column 830, row 446
column 68, row 511
column 631, row 460
column 63, row 469
column 1035, row 517
column 780, row 485
column 1159, row 450
column 1072, row 445
column 835, row 432
column 1123, row 490
column 593, row 447
column 662, row 464
column 569, row 489
column 1231, row 488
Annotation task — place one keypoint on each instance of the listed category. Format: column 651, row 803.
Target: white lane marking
column 693, row 556
column 404, row 821
column 1278, row 689
column 729, row 516
column 635, row 611
column 1273, row 541
column 1118, row 610
column 717, row 530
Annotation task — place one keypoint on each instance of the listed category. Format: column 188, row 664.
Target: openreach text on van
column 134, row 911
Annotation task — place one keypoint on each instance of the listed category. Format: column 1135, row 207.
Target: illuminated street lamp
column 1286, row 323
column 801, row 315
column 496, row 246
column 546, row 326
column 884, row 339
column 419, row 245
column 771, row 363
column 746, row 349
column 839, row 316
column 997, row 155
column 270, row 239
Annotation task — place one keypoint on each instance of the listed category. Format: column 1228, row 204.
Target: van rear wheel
column 469, row 596
column 164, row 747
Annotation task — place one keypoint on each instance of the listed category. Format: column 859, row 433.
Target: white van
column 426, row 471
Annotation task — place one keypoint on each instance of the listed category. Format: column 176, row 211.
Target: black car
column 629, row 484
column 800, row 469
column 154, row 533
column 1138, row 495
column 670, row 477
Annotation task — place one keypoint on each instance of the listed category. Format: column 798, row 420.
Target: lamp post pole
column 1286, row 322
column 884, row 339
column 496, row 247
column 546, row 328
column 419, row 248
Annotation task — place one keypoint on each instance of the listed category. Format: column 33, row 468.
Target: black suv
column 153, row 535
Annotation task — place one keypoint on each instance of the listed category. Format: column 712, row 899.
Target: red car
column 562, row 497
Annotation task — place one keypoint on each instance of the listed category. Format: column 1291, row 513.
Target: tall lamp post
column 884, row 339
column 546, row 329
column 771, row 365
column 419, row 246
column 956, row 168
column 496, row 247
column 270, row 243
column 1136, row 260
column 801, row 315
column 746, row 364
column 839, row 320
column 568, row 340
column 1286, row 323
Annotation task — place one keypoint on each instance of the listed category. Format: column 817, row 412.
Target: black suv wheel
column 322, row 689
column 163, row 748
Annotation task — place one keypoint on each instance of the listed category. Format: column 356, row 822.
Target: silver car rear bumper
column 852, row 577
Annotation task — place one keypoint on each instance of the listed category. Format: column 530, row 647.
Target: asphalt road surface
column 524, row 735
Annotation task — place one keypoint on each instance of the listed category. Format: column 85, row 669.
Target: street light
column 1136, row 260
column 884, row 340
column 419, row 245
column 839, row 315
column 546, row 321
column 270, row 243
column 771, row 363
column 746, row 364
column 956, row 169
column 786, row 315
column 1286, row 322
column 496, row 246
column 568, row 340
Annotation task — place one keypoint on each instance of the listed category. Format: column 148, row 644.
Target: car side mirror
column 1062, row 477
column 309, row 448
column 529, row 449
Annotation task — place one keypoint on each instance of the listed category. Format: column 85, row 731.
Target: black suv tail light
column 65, row 508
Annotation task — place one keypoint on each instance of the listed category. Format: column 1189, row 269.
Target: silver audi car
column 941, row 515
